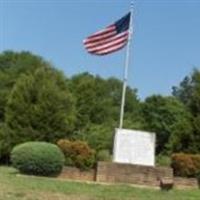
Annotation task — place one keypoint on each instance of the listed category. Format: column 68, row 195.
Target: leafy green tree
column 39, row 107
column 98, row 101
column 89, row 100
column 184, row 91
column 189, row 93
column 99, row 137
column 162, row 114
column 132, row 110
column 12, row 65
column 98, row 108
column 181, row 138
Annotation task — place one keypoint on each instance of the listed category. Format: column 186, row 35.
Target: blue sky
column 165, row 46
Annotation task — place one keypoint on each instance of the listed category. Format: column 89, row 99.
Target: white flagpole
column 126, row 69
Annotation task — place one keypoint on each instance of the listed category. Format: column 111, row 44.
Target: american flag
column 110, row 39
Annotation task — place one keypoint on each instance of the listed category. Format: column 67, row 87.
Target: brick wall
column 185, row 183
column 127, row 173
column 134, row 174
column 76, row 174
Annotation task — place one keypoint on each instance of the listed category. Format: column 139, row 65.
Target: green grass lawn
column 16, row 187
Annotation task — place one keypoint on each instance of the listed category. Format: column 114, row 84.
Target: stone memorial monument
column 134, row 147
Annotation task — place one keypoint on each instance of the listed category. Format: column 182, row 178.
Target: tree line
column 40, row 103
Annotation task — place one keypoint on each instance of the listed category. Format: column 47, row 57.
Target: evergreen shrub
column 38, row 158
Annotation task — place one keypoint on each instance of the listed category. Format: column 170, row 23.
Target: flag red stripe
column 110, row 50
column 104, row 41
column 109, row 39
column 98, row 38
column 109, row 44
column 102, row 32
column 113, row 44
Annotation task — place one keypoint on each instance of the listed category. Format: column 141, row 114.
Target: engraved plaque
column 134, row 147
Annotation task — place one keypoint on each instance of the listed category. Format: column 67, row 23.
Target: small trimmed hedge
column 77, row 153
column 186, row 165
column 38, row 158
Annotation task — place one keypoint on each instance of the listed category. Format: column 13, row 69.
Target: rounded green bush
column 38, row 158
